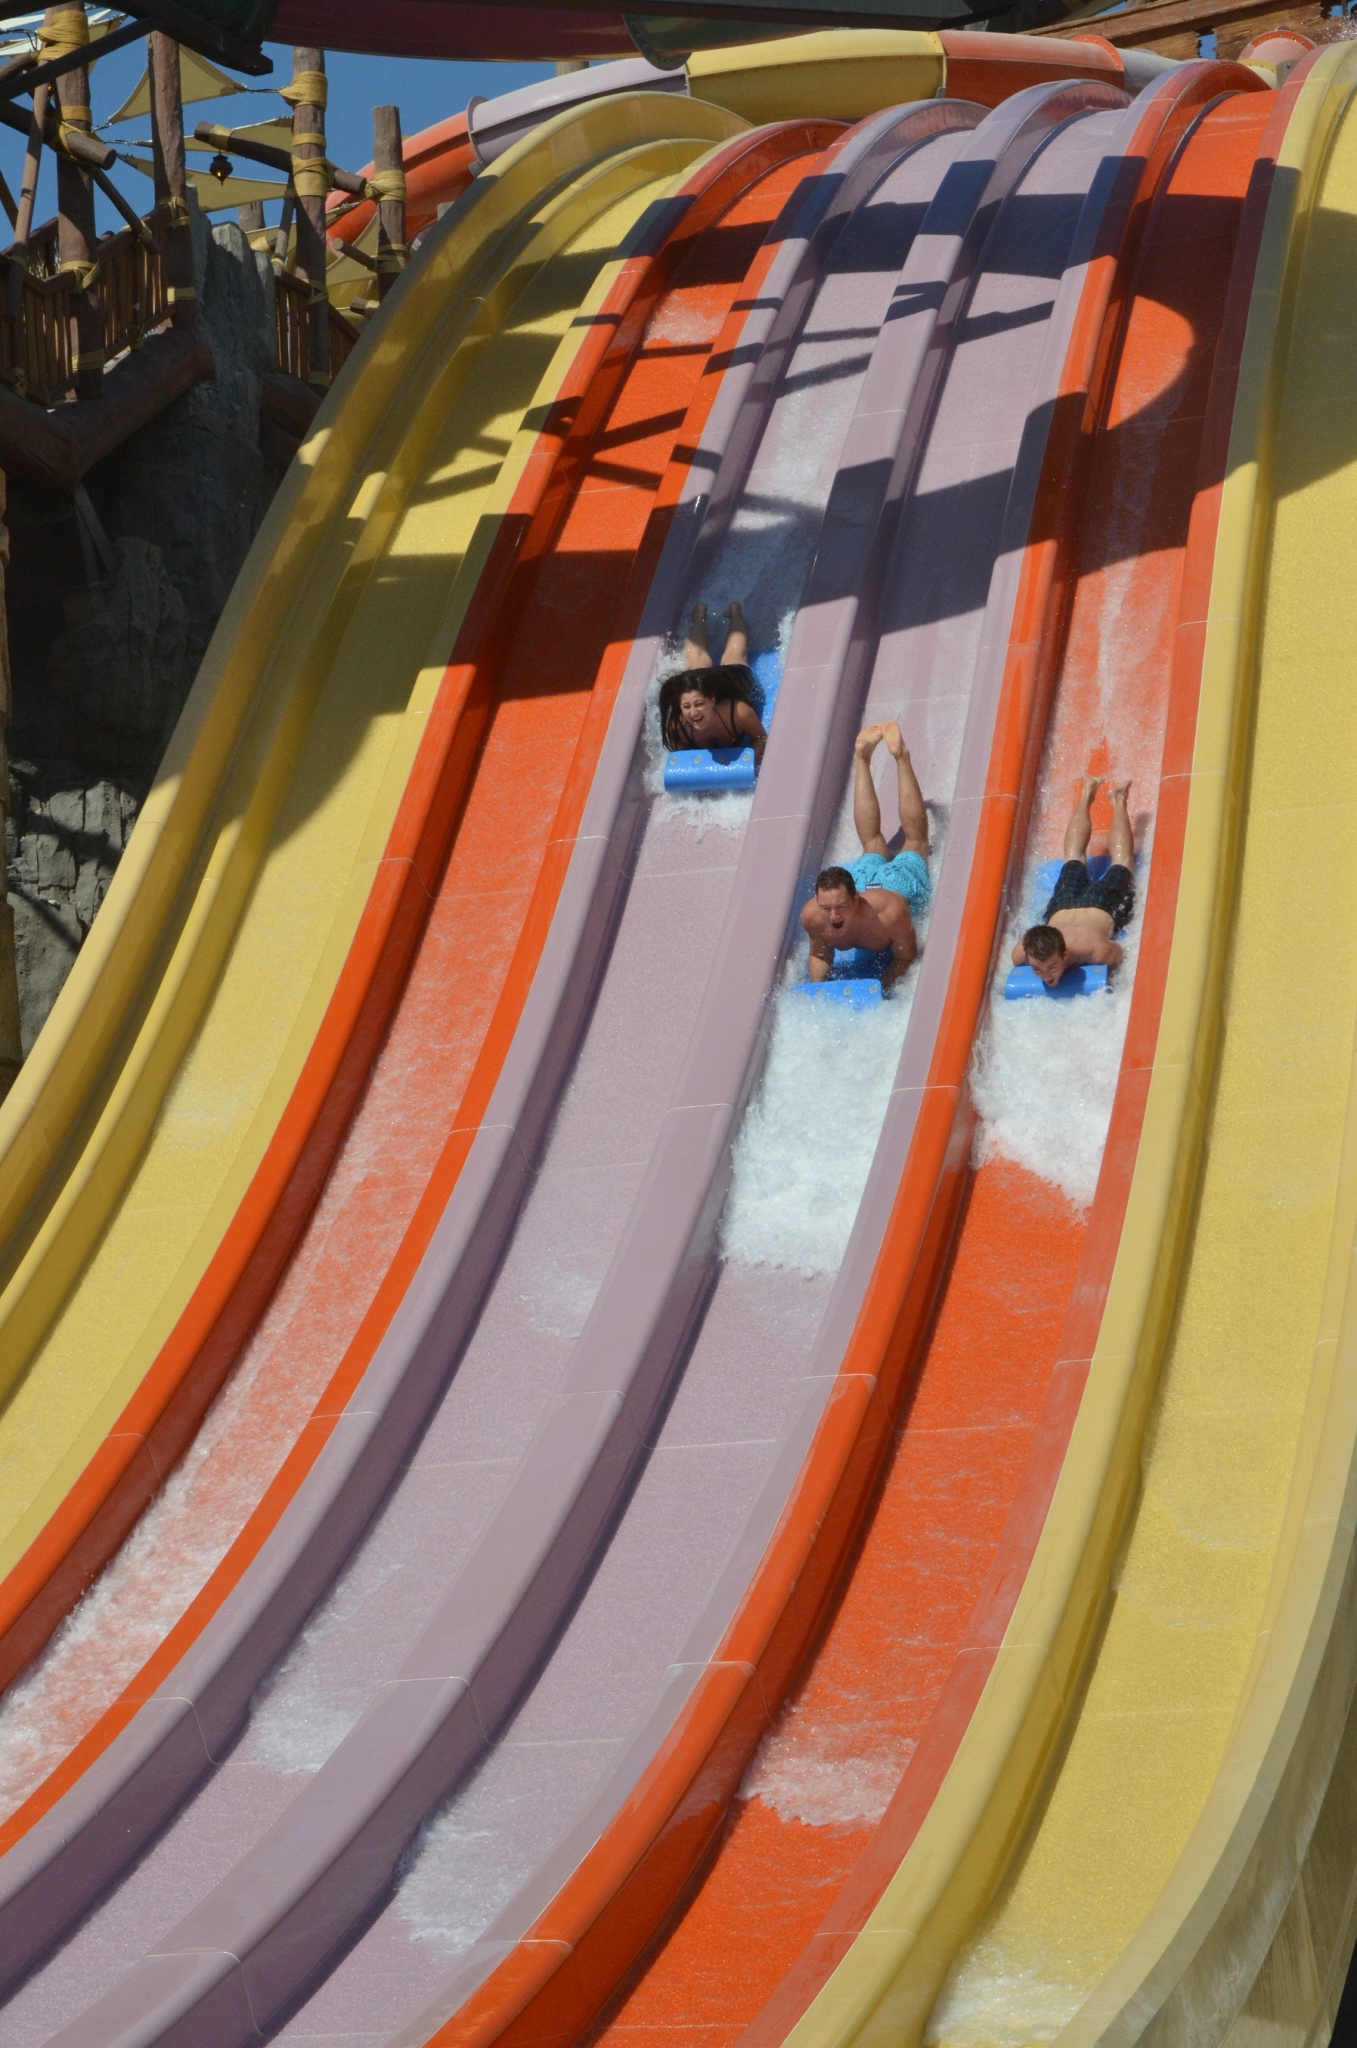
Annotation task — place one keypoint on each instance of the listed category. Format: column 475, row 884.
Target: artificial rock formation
column 106, row 641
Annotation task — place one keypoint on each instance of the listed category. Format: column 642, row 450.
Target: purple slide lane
column 346, row 1665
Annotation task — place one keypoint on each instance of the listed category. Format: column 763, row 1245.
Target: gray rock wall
column 103, row 651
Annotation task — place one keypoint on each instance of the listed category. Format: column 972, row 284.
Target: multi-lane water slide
column 397, row 1086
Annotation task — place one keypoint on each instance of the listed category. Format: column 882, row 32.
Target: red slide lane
column 586, row 505
column 918, row 1622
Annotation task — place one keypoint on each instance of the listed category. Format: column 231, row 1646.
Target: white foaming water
column 138, row 1598
column 1045, row 1073
column 190, row 1525
column 805, row 1146
column 304, row 1709
column 806, row 1143
column 825, row 1769
column 988, row 2002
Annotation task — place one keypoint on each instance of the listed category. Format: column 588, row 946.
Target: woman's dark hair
column 725, row 684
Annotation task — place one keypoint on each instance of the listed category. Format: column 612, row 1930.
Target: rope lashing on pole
column 391, row 256
column 65, row 33
column 62, row 35
column 311, row 173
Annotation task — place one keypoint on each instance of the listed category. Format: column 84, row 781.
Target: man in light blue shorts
column 869, row 909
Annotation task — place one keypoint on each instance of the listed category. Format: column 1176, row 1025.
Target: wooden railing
column 38, row 339
column 292, row 298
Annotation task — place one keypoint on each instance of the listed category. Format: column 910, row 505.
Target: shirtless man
column 1082, row 915
column 868, row 906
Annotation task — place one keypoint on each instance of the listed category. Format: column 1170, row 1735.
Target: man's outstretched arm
column 821, row 952
column 904, row 944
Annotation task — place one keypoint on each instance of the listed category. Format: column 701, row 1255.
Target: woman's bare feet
column 736, row 649
column 895, row 741
column 867, row 742
column 1089, row 788
column 696, row 652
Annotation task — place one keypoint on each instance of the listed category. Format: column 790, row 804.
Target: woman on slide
column 711, row 706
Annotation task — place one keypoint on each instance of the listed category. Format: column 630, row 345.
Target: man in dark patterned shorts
column 1082, row 914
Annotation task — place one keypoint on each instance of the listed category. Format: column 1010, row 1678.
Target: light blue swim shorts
column 906, row 873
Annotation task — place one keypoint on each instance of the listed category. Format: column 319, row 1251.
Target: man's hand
column 905, row 952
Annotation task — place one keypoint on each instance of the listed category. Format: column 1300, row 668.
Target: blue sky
column 425, row 92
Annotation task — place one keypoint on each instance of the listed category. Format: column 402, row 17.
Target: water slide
column 609, row 1491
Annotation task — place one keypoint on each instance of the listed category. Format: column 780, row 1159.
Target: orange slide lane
column 501, row 780
column 914, row 1635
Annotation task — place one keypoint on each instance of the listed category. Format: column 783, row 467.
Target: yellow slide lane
column 157, row 1085
column 1183, row 1873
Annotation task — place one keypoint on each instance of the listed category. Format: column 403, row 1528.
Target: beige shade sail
column 198, row 80
column 215, row 195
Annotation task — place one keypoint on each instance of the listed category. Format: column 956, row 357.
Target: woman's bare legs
column 1121, row 845
column 913, row 816
column 736, row 649
column 866, row 808
column 696, row 652
column 1080, row 828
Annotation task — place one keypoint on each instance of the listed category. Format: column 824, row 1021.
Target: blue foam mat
column 1075, row 981
column 694, row 771
column 851, row 995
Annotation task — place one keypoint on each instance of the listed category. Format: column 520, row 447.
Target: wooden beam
column 11, row 1044
column 388, row 162
column 311, row 179
column 77, row 236
column 167, row 130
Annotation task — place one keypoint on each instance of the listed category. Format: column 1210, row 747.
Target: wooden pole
column 389, row 165
column 250, row 216
column 11, row 1045
column 66, row 28
column 171, row 176
column 28, row 192
column 307, row 94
